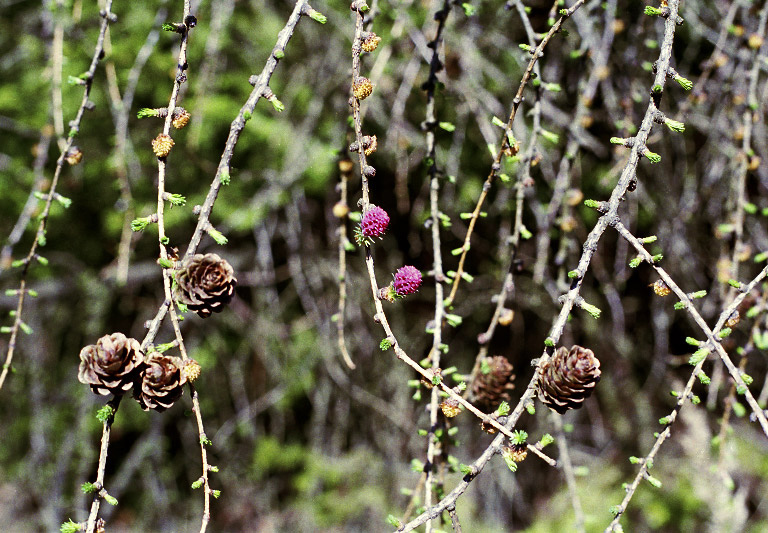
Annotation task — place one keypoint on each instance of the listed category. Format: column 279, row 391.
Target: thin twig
column 427, row 374
column 433, row 444
column 221, row 13
column 713, row 340
column 238, row 124
column 570, row 478
column 181, row 78
column 342, row 205
column 74, row 125
column 496, row 166
column 455, row 524
column 712, row 343
column 563, row 178
column 260, row 90
column 568, row 301
column 121, row 107
column 114, row 403
column 57, row 57
column 510, row 245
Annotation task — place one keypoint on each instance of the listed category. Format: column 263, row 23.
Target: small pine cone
column 573, row 197
column 407, row 280
column 450, row 407
column 180, row 117
column 374, row 222
column 568, row 378
column 162, row 145
column 733, row 319
column 587, row 121
column 743, row 252
column 515, row 452
column 340, row 210
column 191, row 370
column 74, row 155
column 506, row 316
column 162, row 382
column 660, row 288
column 491, row 388
column 370, row 143
column 111, row 365
column 205, row 283
column 568, row 224
column 720, row 61
column 346, row 166
column 370, row 41
column 362, row 88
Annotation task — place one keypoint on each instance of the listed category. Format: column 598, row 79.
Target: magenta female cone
column 407, row 280
column 374, row 222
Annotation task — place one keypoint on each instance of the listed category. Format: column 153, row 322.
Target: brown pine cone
column 111, row 365
column 491, row 388
column 162, row 382
column 568, row 378
column 205, row 283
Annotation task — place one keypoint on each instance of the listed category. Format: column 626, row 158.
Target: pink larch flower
column 374, row 222
column 407, row 280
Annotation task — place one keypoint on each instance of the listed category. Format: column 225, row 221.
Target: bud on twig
column 362, row 88
column 74, row 155
column 162, row 145
column 369, row 41
column 180, row 117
